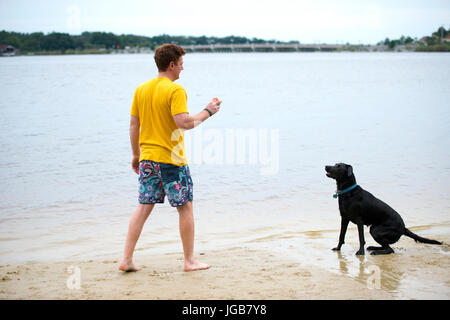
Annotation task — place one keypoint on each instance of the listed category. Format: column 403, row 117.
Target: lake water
column 67, row 190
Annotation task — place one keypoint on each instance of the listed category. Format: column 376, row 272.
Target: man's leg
column 134, row 231
column 187, row 232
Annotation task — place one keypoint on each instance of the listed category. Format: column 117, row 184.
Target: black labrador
column 362, row 208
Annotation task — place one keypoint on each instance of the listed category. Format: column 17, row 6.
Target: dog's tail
column 419, row 239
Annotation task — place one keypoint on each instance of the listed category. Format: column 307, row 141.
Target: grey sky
column 306, row 21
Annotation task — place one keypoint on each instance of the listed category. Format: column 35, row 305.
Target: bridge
column 265, row 47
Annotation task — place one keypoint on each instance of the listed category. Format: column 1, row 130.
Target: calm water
column 67, row 190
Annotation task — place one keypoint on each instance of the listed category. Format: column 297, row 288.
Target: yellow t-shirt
column 155, row 103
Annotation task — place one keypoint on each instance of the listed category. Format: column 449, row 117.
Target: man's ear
column 349, row 171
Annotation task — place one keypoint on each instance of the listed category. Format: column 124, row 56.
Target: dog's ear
column 349, row 171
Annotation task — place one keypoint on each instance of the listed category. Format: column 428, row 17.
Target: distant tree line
column 62, row 42
column 402, row 41
column 434, row 40
column 56, row 41
column 437, row 36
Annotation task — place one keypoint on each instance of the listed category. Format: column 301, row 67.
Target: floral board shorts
column 156, row 180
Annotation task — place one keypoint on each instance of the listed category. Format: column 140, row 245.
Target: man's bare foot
column 128, row 267
column 194, row 266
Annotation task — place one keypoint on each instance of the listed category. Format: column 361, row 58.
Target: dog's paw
column 336, row 249
column 360, row 253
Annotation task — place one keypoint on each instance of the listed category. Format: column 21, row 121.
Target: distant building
column 423, row 40
column 446, row 39
column 7, row 50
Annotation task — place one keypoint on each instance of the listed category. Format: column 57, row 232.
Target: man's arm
column 134, row 139
column 188, row 122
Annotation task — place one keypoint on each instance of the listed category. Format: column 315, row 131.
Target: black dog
column 362, row 208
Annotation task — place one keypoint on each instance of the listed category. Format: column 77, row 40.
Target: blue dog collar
column 338, row 193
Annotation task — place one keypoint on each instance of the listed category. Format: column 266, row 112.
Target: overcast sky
column 315, row 21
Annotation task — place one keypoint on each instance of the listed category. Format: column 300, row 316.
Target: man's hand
column 214, row 105
column 135, row 164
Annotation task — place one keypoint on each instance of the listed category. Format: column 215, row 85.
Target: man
column 159, row 115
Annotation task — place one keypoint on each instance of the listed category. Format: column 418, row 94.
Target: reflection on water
column 372, row 273
column 414, row 271
column 392, row 275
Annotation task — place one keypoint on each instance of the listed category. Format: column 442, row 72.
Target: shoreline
column 240, row 273
column 47, row 54
column 345, row 50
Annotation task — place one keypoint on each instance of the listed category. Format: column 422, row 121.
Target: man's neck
column 166, row 75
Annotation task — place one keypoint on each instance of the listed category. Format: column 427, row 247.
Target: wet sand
column 415, row 271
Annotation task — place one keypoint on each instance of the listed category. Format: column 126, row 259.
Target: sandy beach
column 265, row 216
column 239, row 273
